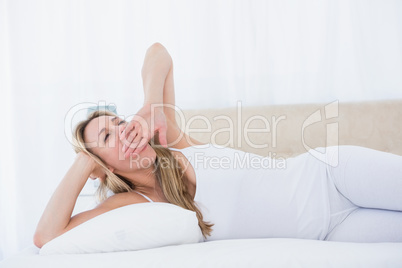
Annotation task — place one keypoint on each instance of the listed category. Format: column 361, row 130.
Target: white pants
column 365, row 195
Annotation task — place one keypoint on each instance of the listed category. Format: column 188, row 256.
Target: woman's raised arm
column 159, row 99
column 157, row 78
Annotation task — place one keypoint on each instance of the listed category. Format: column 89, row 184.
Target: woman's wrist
column 84, row 159
column 153, row 104
column 152, row 108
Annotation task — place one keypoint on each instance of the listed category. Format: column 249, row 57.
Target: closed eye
column 107, row 135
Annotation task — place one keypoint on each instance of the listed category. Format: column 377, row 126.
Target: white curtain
column 55, row 55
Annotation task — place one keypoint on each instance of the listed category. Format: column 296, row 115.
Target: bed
column 266, row 252
column 288, row 130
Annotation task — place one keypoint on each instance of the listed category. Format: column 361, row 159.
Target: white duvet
column 267, row 252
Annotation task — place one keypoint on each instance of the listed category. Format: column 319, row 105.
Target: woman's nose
column 121, row 128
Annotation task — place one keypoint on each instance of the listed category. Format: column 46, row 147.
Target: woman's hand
column 96, row 170
column 140, row 130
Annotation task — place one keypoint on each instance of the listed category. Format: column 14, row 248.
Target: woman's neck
column 143, row 179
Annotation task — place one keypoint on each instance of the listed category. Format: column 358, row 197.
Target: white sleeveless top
column 249, row 196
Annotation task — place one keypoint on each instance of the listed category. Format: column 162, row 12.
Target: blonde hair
column 168, row 171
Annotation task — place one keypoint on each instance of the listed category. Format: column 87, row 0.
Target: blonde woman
column 360, row 199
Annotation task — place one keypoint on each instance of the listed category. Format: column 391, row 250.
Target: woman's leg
column 366, row 205
column 369, row 225
column 368, row 178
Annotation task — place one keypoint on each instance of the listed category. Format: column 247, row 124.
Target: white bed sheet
column 267, row 252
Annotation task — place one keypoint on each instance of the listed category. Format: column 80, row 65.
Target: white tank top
column 249, row 196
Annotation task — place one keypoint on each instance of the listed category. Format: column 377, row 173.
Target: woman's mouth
column 143, row 149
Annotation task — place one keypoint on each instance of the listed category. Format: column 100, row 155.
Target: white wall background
column 57, row 54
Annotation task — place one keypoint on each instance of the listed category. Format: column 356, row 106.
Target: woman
column 359, row 200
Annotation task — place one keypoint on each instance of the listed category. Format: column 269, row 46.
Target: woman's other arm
column 58, row 211
column 56, row 219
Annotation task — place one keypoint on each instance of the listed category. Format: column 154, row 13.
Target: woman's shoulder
column 177, row 138
column 123, row 199
column 186, row 142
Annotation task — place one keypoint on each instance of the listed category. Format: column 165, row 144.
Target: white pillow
column 132, row 227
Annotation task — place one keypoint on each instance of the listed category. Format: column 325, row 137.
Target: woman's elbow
column 158, row 50
column 38, row 241
column 156, row 58
column 156, row 46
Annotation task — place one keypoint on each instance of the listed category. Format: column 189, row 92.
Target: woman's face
column 102, row 138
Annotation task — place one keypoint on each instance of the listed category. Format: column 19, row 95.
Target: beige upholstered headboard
column 289, row 130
